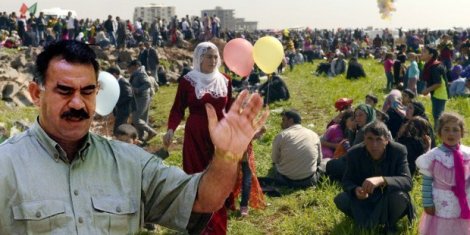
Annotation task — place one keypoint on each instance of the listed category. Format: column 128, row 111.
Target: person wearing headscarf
column 415, row 108
column 391, row 99
column 395, row 111
column 363, row 115
column 204, row 84
column 417, row 136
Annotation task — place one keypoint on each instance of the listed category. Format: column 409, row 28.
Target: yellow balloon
column 268, row 54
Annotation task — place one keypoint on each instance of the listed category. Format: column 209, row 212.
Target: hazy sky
column 277, row 14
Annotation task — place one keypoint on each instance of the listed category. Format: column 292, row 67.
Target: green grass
column 310, row 211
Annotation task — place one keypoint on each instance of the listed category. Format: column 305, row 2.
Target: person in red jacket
column 203, row 85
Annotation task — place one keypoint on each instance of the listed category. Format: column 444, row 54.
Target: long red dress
column 198, row 148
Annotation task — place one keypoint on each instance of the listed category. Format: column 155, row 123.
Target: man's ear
column 35, row 93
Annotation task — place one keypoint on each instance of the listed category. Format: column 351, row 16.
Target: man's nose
column 76, row 101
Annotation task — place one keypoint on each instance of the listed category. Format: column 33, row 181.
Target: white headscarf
column 214, row 83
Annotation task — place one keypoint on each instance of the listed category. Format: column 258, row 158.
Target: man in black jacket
column 109, row 27
column 274, row 89
column 125, row 102
column 355, row 69
column 152, row 60
column 377, row 181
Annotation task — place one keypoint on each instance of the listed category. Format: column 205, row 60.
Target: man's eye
column 64, row 91
column 88, row 91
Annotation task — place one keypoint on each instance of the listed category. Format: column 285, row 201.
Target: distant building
column 58, row 12
column 228, row 20
column 150, row 12
column 242, row 25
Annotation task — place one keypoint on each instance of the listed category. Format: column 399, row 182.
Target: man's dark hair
column 377, row 128
column 126, row 130
column 433, row 51
column 292, row 114
column 114, row 70
column 71, row 50
column 134, row 63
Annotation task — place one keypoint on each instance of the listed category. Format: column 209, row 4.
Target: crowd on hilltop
column 312, row 43
column 333, row 47
column 41, row 30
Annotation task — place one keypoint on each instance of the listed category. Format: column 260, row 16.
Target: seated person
column 250, row 82
column 417, row 136
column 371, row 100
column 341, row 105
column 127, row 133
column 296, row 154
column 102, row 40
column 460, row 87
column 455, row 72
column 363, row 114
column 338, row 65
column 253, row 79
column 161, row 74
column 355, row 69
column 336, row 133
column 395, row 110
column 324, row 67
column 184, row 70
column 377, row 181
column 407, row 96
column 274, row 89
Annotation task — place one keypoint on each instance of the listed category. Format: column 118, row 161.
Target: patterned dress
column 439, row 164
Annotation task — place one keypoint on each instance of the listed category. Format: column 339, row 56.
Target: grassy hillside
column 310, row 211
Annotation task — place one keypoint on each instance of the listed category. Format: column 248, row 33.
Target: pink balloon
column 238, row 56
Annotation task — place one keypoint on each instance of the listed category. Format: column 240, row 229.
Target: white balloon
column 108, row 94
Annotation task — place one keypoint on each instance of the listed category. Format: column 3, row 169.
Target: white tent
column 58, row 12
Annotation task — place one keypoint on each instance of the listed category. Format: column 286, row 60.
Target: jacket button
column 80, row 219
column 38, row 214
column 118, row 209
column 75, row 192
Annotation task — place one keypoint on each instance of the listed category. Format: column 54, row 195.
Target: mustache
column 74, row 113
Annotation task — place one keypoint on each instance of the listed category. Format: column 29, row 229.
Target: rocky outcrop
column 17, row 66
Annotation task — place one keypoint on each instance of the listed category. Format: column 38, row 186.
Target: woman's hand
column 167, row 138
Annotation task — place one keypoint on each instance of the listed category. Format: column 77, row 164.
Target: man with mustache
column 59, row 178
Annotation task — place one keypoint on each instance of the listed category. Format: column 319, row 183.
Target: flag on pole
column 32, row 9
column 23, row 9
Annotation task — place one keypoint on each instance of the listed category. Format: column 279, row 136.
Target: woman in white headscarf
column 204, row 84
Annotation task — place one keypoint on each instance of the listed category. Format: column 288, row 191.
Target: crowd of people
column 43, row 29
column 373, row 153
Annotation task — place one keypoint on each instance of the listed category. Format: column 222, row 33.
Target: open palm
column 234, row 132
